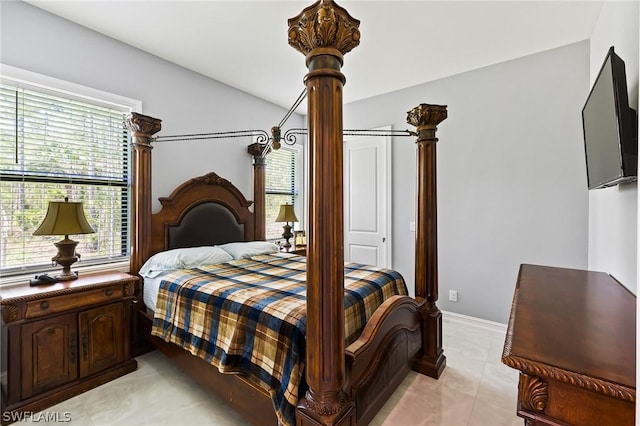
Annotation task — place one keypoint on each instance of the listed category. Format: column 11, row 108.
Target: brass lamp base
column 66, row 257
column 287, row 235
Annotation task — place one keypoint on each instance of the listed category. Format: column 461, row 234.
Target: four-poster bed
column 346, row 383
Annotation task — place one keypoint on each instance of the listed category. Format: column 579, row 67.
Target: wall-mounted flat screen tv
column 610, row 128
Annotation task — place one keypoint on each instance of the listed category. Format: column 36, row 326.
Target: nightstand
column 299, row 250
column 62, row 339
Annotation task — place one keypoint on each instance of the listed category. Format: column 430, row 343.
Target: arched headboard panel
column 203, row 225
column 205, row 210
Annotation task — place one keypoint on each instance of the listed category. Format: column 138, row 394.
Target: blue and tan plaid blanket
column 248, row 317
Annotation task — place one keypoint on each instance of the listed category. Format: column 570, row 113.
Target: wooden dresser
column 62, row 339
column 572, row 335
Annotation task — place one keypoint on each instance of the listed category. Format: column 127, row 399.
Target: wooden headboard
column 206, row 210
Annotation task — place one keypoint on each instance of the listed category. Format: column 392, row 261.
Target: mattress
column 150, row 291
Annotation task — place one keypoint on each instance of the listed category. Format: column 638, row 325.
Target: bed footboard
column 382, row 357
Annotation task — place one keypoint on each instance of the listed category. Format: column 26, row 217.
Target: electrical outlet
column 453, row 295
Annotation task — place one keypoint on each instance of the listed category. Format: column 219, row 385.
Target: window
column 283, row 184
column 54, row 144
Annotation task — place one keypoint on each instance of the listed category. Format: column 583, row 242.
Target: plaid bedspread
column 249, row 317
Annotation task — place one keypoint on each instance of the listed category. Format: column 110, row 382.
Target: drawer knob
column 109, row 291
column 44, row 305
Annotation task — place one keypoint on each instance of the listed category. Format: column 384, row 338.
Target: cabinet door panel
column 102, row 338
column 49, row 354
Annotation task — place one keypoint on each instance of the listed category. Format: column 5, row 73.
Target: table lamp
column 286, row 215
column 65, row 218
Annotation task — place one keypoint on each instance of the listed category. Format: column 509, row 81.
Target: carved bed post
column 324, row 32
column 426, row 117
column 143, row 128
column 259, row 190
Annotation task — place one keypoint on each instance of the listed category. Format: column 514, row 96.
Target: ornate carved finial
column 210, row 178
column 143, row 125
column 324, row 25
column 426, row 116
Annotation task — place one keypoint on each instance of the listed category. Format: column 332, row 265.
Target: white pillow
column 191, row 257
column 250, row 248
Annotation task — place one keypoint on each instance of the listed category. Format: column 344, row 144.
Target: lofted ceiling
column 403, row 43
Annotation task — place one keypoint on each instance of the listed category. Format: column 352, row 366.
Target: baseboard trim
column 473, row 321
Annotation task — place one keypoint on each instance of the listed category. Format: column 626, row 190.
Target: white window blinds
column 281, row 182
column 54, row 146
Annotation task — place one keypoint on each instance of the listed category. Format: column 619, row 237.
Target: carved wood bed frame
column 346, row 385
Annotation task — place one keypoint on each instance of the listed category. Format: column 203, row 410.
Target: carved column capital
column 143, row 125
column 256, row 150
column 425, row 118
column 324, row 28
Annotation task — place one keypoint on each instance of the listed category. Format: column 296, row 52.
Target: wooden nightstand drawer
column 39, row 308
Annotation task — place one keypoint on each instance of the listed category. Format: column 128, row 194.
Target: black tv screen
column 610, row 127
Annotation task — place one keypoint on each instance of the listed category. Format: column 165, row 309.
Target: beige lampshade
column 286, row 214
column 64, row 218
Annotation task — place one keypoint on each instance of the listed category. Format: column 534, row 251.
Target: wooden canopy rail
column 337, row 377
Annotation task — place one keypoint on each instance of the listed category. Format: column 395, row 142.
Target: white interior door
column 367, row 200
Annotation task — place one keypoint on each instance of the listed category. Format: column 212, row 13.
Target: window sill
column 16, row 280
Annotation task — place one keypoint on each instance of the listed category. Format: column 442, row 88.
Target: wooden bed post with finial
column 259, row 189
column 324, row 32
column 143, row 128
column 431, row 360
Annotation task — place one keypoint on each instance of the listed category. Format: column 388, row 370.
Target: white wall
column 511, row 174
column 613, row 212
column 187, row 102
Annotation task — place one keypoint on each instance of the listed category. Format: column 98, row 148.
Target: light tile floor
column 475, row 390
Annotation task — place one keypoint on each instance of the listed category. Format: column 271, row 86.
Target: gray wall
column 511, row 175
column 613, row 212
column 512, row 185
column 187, row 102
